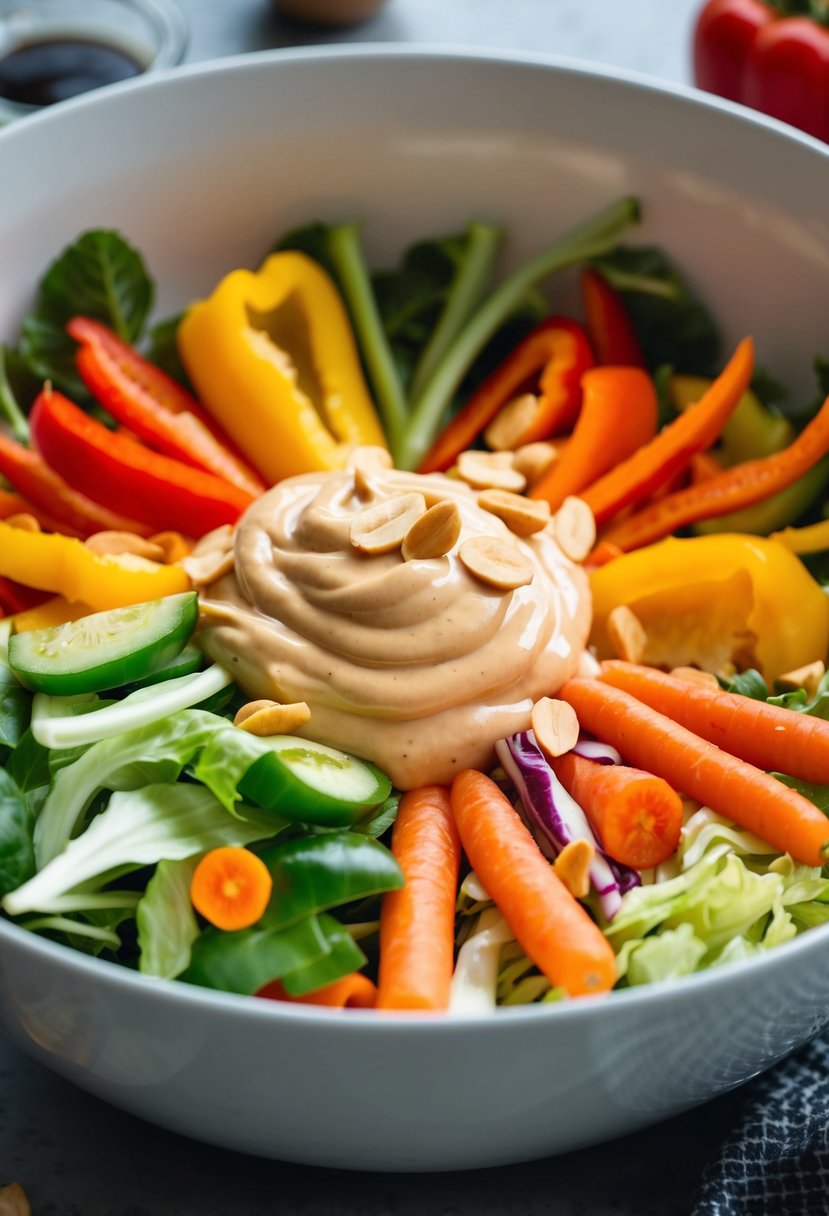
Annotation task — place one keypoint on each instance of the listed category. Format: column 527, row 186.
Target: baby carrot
column 732, row 489
column 231, row 887
column 417, row 923
column 730, row 786
column 766, row 735
column 637, row 816
column 618, row 415
column 551, row 926
column 355, row 991
column 675, row 446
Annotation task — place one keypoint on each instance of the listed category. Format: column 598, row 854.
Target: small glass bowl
column 144, row 35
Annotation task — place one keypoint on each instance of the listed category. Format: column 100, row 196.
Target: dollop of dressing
column 419, row 664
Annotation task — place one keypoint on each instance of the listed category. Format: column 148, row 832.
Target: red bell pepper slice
column 14, row 597
column 558, row 349
column 153, row 406
column 609, row 327
column 57, row 505
column 123, row 474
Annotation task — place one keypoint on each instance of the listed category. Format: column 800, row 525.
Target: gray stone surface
column 76, row 1157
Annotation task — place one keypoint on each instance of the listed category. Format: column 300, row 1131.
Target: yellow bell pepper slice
column 813, row 538
column 53, row 612
column 273, row 358
column 51, row 562
column 716, row 602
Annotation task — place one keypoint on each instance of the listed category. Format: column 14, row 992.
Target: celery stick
column 465, row 294
column 589, row 240
column 352, row 274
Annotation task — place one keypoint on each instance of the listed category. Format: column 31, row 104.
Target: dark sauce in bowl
column 44, row 72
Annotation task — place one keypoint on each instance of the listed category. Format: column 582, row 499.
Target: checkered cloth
column 776, row 1162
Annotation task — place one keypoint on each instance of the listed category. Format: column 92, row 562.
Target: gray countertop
column 76, row 1157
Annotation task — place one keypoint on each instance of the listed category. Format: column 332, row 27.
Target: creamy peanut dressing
column 417, row 665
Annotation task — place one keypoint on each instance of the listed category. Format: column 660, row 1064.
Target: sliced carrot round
column 231, row 888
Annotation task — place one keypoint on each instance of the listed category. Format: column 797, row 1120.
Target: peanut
column 205, row 568
column 383, row 527
column 808, row 677
column 24, row 522
column 627, row 634
column 174, row 545
column 490, row 471
column 523, row 516
column 574, row 528
column 572, row 867
column 115, row 543
column 496, row 562
column 531, row 460
column 511, row 422
column 435, row 533
column 555, row 726
column 266, row 718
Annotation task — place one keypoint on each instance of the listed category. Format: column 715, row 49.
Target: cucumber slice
column 312, row 783
column 190, row 660
column 105, row 649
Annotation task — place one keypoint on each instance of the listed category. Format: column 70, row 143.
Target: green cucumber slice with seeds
column 312, row 783
column 105, row 649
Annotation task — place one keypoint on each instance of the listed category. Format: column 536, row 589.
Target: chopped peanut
column 574, row 528
column 435, row 533
column 807, row 678
column 24, row 521
column 572, row 867
column 496, row 563
column 270, row 718
column 523, row 516
column 383, row 527
column 555, row 726
column 627, row 634
column 113, row 543
column 532, row 460
column 205, row 568
column 174, row 546
column 490, row 471
column 511, row 422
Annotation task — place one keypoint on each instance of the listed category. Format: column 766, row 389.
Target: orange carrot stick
column 730, row 490
column 355, row 991
column 676, row 445
column 231, row 887
column 417, row 923
column 730, row 786
column 767, row 736
column 637, row 816
column 551, row 926
column 618, row 415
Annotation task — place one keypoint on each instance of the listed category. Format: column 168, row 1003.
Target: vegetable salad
column 661, row 810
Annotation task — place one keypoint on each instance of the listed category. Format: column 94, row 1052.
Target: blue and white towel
column 776, row 1162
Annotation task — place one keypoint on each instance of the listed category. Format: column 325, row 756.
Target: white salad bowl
column 201, row 169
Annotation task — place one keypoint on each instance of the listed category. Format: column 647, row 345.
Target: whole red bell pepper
column 770, row 55
column 123, row 475
column 556, row 354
